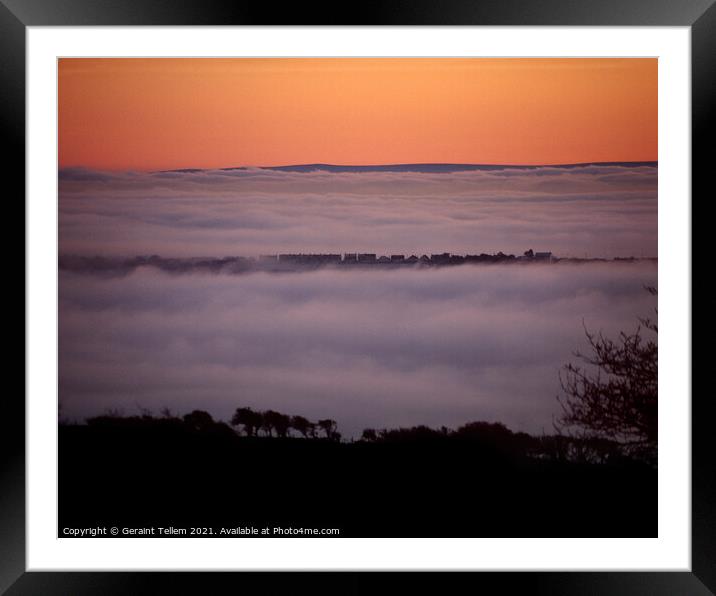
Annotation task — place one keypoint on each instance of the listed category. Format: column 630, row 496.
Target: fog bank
column 595, row 210
column 367, row 348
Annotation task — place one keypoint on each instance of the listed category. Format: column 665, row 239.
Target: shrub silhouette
column 414, row 434
column 369, row 434
column 481, row 429
column 199, row 420
column 613, row 393
column 491, row 439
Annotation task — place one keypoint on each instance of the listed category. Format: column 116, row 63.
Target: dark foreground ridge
column 276, row 471
column 278, row 263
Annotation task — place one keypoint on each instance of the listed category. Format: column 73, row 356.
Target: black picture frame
column 699, row 15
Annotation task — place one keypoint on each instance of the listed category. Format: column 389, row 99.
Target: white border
column 671, row 551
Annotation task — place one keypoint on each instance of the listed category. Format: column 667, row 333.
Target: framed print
column 369, row 296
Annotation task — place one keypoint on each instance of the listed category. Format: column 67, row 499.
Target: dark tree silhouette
column 273, row 420
column 199, row 420
column 266, row 423
column 613, row 393
column 481, row 428
column 410, row 434
column 328, row 426
column 166, row 412
column 302, row 425
column 279, row 422
column 369, row 434
column 250, row 420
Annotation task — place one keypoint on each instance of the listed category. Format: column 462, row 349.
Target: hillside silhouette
column 272, row 469
column 423, row 168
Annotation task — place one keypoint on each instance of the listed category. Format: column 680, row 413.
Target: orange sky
column 172, row 113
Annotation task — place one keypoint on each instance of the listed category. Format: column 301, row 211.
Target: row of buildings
column 354, row 258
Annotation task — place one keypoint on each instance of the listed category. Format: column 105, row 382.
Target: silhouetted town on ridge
column 309, row 261
column 353, row 258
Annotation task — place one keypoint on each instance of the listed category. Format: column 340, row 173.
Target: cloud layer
column 368, row 348
column 606, row 210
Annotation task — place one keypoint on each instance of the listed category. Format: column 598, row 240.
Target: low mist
column 367, row 348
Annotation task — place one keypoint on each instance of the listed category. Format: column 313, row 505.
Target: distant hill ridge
column 440, row 168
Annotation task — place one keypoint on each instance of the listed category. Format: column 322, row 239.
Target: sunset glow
column 148, row 114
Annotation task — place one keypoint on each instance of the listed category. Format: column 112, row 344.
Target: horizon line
column 427, row 164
